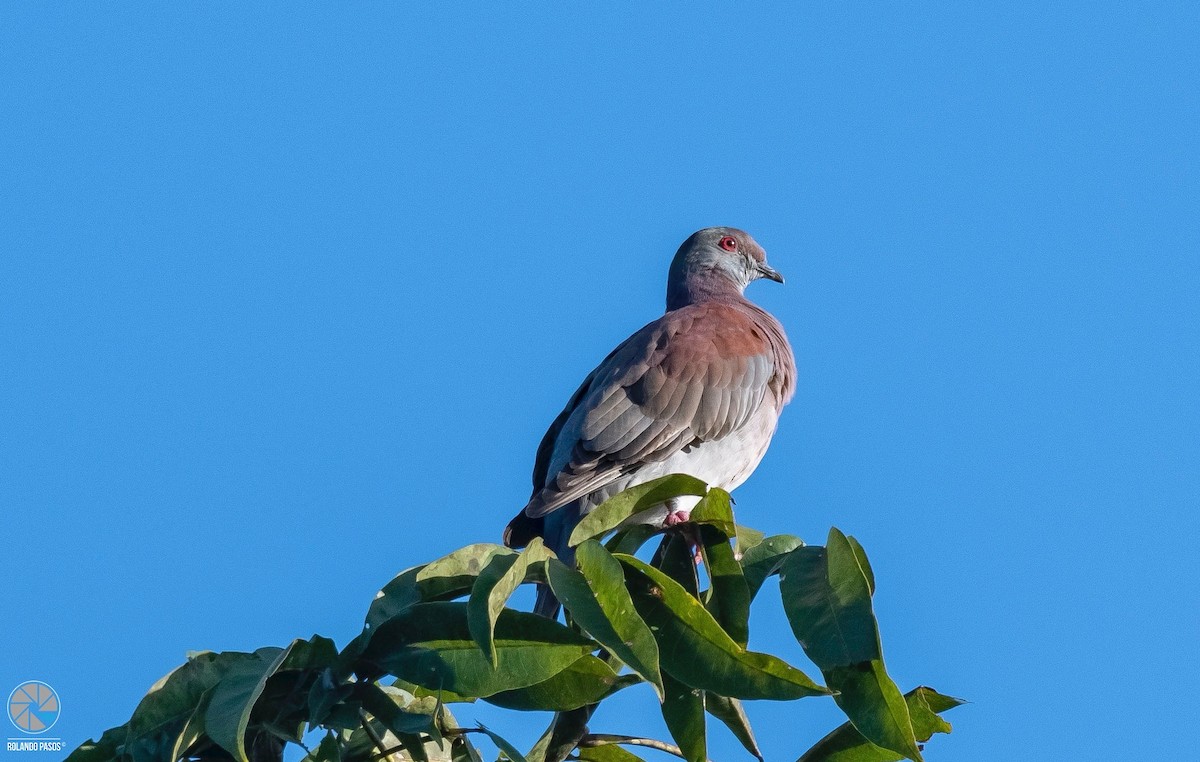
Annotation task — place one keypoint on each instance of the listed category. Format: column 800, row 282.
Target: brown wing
column 696, row 374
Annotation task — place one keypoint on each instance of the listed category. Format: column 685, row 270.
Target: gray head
column 716, row 262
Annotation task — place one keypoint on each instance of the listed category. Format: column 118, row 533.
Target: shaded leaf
column 396, row 709
column 728, row 597
column 193, row 729
column 846, row 744
column 329, row 750
column 509, row 750
column 587, row 681
column 696, row 651
column 326, row 692
column 674, row 557
column 683, row 711
column 765, row 559
column 430, row 645
column 103, row 750
column 613, row 512
column 161, row 715
column 599, row 602
column 827, row 599
column 631, row 539
column 563, row 736
column 729, row 711
column 233, row 699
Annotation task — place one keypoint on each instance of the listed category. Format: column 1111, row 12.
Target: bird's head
column 716, row 261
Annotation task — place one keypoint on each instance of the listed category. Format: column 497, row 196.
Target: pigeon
column 697, row 391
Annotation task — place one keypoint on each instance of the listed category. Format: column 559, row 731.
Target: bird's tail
column 546, row 604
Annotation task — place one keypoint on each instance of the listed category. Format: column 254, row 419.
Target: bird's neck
column 685, row 291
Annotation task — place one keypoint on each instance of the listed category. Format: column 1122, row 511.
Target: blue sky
column 290, row 293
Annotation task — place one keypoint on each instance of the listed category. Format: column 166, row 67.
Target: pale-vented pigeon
column 698, row 391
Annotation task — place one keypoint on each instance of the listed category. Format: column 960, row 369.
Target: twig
column 604, row 739
column 375, row 739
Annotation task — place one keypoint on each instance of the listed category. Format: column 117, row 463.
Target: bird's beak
column 766, row 271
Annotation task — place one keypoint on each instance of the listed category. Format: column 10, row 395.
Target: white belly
column 724, row 463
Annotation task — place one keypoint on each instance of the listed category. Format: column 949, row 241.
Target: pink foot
column 675, row 518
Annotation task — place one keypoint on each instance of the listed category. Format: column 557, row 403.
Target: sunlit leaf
column 599, row 602
column 430, row 645
column 587, row 681
column 715, row 509
column 450, row 576
column 696, row 651
column 617, row 509
column 497, row 581
column 846, row 744
column 728, row 597
column 765, row 558
column 607, row 753
column 827, row 599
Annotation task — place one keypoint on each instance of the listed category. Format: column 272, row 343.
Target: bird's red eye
column 729, row 243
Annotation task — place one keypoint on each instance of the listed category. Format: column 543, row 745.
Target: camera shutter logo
column 33, row 707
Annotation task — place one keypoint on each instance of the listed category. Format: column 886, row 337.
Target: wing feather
column 696, row 374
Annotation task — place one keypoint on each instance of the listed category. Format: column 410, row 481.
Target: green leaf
column 228, row 714
column 430, row 645
column 193, row 729
column 588, row 681
column 729, row 711
column 329, row 750
column 599, row 602
column 747, row 538
column 161, row 716
column 683, row 711
column 715, row 510
column 397, row 710
column 827, row 599
column 493, row 587
column 864, row 565
column 227, row 717
column 846, row 744
column 439, row 694
column 104, row 750
column 450, row 576
column 728, row 598
column 607, row 753
column 674, row 556
column 631, row 539
column 696, row 651
column 509, row 750
column 613, row 512
column 765, row 558
column 563, row 735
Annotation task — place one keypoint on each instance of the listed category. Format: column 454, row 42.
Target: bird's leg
column 676, row 518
